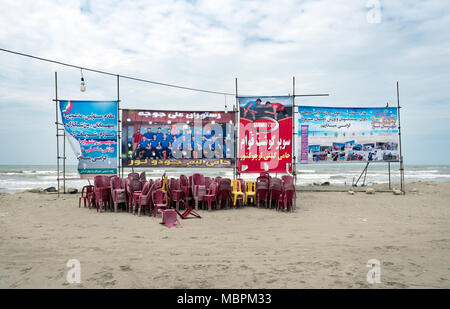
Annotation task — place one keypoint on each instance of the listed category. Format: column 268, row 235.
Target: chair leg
column 139, row 209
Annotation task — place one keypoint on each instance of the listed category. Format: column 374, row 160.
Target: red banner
column 265, row 135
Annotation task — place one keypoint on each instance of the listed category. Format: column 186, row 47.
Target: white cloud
column 328, row 45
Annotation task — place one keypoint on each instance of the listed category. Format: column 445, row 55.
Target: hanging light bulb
column 82, row 85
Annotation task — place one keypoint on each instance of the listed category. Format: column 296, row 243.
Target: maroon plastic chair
column 224, row 193
column 208, row 182
column 184, row 185
column 133, row 176
column 211, row 195
column 288, row 198
column 118, row 191
column 145, row 198
column 218, row 179
column 287, row 179
column 160, row 200
column 262, row 192
column 198, row 188
column 275, row 192
column 175, row 192
column 142, row 177
column 87, row 194
column 101, row 191
column 134, row 187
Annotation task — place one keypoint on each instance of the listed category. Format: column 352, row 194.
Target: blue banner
column 92, row 134
column 340, row 134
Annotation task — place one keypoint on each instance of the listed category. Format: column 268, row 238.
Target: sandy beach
column 325, row 243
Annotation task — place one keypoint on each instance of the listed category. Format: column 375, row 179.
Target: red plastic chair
column 169, row 218
column 101, row 191
column 133, row 176
column 198, row 188
column 118, row 191
column 87, row 194
column 184, row 185
column 160, row 200
column 211, row 195
column 275, row 192
column 208, row 182
column 224, row 193
column 175, row 192
column 134, row 187
column 287, row 179
column 145, row 198
column 262, row 192
column 288, row 199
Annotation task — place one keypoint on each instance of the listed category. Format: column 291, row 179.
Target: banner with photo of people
column 92, row 134
column 338, row 134
column 178, row 138
column 265, row 134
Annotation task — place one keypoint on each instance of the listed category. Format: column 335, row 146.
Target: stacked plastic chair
column 198, row 188
column 275, row 191
column 101, row 191
column 237, row 193
column 224, row 192
column 118, row 191
column 175, row 192
column 211, row 195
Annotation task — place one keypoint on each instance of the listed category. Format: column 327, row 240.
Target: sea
column 23, row 177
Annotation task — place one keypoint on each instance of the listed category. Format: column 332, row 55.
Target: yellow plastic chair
column 250, row 191
column 237, row 191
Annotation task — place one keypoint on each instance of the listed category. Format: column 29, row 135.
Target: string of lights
column 115, row 74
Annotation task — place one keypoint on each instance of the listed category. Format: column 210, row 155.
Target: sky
column 355, row 50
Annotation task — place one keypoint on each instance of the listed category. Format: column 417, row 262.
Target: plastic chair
column 211, row 195
column 145, row 198
column 224, row 192
column 118, row 191
column 275, row 192
column 198, row 188
column 175, row 192
column 134, row 187
column 287, row 179
column 208, row 182
column 262, row 190
column 101, row 192
column 237, row 192
column 142, row 177
column 288, row 199
column 169, row 218
column 159, row 201
column 87, row 194
column 133, row 176
column 250, row 191
column 184, row 185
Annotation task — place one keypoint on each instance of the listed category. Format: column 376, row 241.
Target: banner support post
column 402, row 173
column 118, row 128
column 294, row 151
column 389, row 172
column 57, row 131
column 236, row 137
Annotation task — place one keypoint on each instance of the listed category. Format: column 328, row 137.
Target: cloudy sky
column 355, row 50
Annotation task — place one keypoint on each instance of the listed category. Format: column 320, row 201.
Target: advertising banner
column 338, row 134
column 265, row 134
column 92, row 134
column 178, row 138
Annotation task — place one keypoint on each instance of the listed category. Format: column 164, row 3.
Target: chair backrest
column 133, row 175
column 159, row 196
column 184, row 182
column 116, row 183
column 236, row 186
column 174, row 184
column 212, row 189
column 250, row 186
column 217, row 179
column 146, row 189
column 142, row 176
column 242, row 183
column 287, row 179
column 275, row 182
column 98, row 181
column 158, row 183
column 262, row 179
column 198, row 179
column 262, row 189
column 224, row 189
column 208, row 181
column 133, row 185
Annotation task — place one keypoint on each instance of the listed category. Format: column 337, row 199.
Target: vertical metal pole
column 118, row 129
column 389, row 172
column 236, row 135
column 57, row 132
column 402, row 175
column 294, row 150
column 64, row 161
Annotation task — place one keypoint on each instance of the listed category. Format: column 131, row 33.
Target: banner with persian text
column 92, row 134
column 178, row 138
column 265, row 134
column 340, row 134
